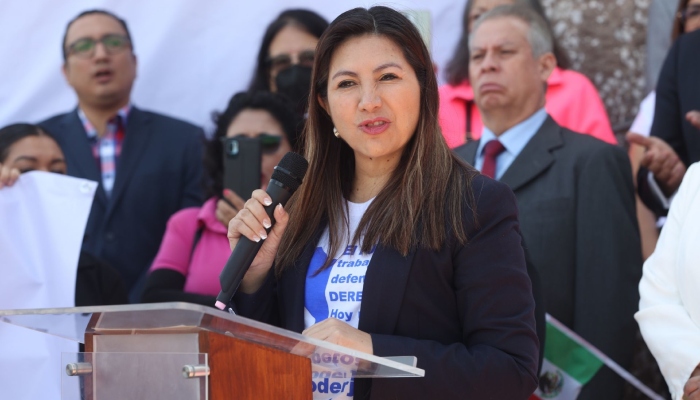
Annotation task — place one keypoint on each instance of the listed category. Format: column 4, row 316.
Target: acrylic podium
column 187, row 351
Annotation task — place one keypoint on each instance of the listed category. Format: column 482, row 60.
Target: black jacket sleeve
column 164, row 285
column 668, row 116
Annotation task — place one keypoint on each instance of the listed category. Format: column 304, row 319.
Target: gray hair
column 539, row 35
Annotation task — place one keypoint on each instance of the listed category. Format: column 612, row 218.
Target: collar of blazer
column 534, row 159
column 75, row 145
column 382, row 294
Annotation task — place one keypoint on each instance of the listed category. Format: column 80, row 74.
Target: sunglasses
column 269, row 143
column 284, row 61
column 85, row 47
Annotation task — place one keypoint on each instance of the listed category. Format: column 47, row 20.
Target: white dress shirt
column 514, row 140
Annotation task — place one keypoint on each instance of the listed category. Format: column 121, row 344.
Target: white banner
column 42, row 223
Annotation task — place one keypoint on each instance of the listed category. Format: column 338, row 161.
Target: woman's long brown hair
column 424, row 199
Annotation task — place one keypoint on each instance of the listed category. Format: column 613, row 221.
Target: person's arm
column 668, row 121
column 646, row 218
column 165, row 284
column 174, row 258
column 672, row 337
column 260, row 305
column 256, row 295
column 193, row 171
column 498, row 355
column 607, row 262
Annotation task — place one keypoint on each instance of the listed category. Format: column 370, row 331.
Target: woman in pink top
column 195, row 248
column 572, row 100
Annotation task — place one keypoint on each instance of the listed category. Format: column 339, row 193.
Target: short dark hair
column 277, row 105
column 12, row 134
column 92, row 12
column 457, row 69
column 307, row 20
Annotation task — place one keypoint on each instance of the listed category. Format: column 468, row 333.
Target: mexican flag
column 569, row 363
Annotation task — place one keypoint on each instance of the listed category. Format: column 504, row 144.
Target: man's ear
column 64, row 70
column 547, row 62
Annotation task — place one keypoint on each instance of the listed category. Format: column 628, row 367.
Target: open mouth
column 103, row 75
column 375, row 126
column 376, row 123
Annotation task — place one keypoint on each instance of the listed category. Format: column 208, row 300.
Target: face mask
column 295, row 83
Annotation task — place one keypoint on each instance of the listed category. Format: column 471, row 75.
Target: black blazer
column 466, row 312
column 159, row 172
column 677, row 92
column 577, row 214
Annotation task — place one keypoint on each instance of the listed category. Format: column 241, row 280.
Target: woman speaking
column 392, row 246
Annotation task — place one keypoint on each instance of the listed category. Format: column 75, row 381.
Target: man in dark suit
column 148, row 165
column 675, row 134
column 574, row 192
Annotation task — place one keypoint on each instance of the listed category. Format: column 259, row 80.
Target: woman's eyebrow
column 354, row 75
column 27, row 158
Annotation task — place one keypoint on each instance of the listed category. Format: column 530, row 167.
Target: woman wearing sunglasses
column 195, row 248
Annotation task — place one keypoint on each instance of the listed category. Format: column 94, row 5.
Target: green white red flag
column 570, row 362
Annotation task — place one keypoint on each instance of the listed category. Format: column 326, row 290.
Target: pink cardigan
column 210, row 255
column 571, row 100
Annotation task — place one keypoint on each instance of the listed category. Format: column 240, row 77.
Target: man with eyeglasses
column 148, row 165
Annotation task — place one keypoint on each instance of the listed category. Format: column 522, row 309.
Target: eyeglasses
column 269, row 143
column 689, row 13
column 85, row 47
column 283, row 61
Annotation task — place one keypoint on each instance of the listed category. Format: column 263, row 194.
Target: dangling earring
column 335, row 132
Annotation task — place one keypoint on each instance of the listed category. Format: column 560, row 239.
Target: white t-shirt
column 645, row 116
column 336, row 292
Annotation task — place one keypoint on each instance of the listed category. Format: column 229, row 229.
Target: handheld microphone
column 285, row 180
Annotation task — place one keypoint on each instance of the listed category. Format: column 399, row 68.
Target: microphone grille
column 291, row 170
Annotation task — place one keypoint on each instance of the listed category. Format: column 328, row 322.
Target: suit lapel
column 78, row 153
column 385, row 284
column 535, row 157
column 136, row 138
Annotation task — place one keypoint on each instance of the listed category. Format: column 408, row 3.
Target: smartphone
column 242, row 159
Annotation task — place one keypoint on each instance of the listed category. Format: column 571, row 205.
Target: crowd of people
column 464, row 212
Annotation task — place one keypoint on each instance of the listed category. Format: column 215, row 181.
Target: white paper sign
column 42, row 223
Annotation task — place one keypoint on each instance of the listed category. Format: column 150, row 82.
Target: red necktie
column 492, row 149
